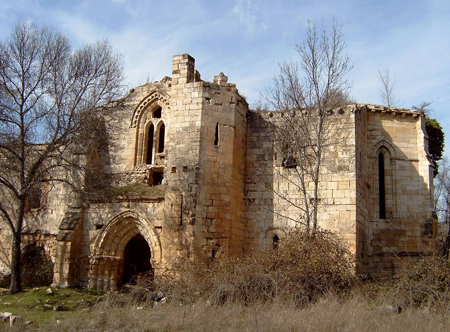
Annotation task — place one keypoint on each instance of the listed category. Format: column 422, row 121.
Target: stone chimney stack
column 183, row 69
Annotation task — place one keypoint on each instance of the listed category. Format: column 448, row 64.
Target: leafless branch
column 388, row 86
column 51, row 99
column 307, row 92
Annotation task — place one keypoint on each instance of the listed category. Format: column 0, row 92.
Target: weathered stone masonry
column 212, row 162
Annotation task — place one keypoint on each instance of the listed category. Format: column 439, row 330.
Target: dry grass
column 300, row 270
column 303, row 285
column 354, row 314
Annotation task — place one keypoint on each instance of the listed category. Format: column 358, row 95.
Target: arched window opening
column 136, row 259
column 216, row 135
column 162, row 130
column 157, row 113
column 149, row 157
column 381, row 186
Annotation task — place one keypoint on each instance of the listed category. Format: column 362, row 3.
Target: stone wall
column 408, row 228
column 274, row 201
column 205, row 164
column 226, row 190
column 362, row 189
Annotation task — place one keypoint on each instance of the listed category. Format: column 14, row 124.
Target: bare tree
column 49, row 96
column 388, row 86
column 307, row 92
column 442, row 201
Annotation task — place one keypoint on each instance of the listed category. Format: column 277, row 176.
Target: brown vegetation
column 303, row 283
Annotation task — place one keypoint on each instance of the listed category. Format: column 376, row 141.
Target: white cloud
column 249, row 16
column 247, row 38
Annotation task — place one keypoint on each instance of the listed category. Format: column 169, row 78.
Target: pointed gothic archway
column 137, row 255
column 109, row 261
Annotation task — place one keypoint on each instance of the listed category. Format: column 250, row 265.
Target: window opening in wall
column 289, row 162
column 158, row 178
column 275, row 241
column 34, row 200
column 157, row 113
column 162, row 130
column 149, row 158
column 216, row 136
column 381, row 186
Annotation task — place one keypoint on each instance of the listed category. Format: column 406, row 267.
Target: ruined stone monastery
column 210, row 161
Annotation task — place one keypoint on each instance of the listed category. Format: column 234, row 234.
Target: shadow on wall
column 400, row 225
column 259, row 180
column 376, row 196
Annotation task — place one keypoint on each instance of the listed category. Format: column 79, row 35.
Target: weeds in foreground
column 301, row 269
column 425, row 285
column 355, row 313
column 303, row 284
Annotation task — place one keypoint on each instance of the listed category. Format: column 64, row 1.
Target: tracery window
column 150, row 139
column 162, row 130
column 157, row 113
column 155, row 143
column 150, row 134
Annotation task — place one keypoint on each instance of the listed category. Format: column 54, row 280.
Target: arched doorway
column 136, row 258
column 128, row 244
column 36, row 266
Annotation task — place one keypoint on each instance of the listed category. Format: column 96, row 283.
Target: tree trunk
column 446, row 248
column 15, row 285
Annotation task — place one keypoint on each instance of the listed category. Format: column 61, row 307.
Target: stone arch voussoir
column 154, row 98
column 107, row 259
column 382, row 144
column 121, row 229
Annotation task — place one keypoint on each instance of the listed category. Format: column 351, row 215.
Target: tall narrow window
column 216, row 136
column 381, row 186
column 162, row 130
column 149, row 158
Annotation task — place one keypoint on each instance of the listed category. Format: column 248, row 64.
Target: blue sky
column 246, row 39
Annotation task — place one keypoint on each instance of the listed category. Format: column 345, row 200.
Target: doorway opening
column 136, row 260
column 36, row 267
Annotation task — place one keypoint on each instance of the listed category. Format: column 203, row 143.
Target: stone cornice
column 393, row 111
